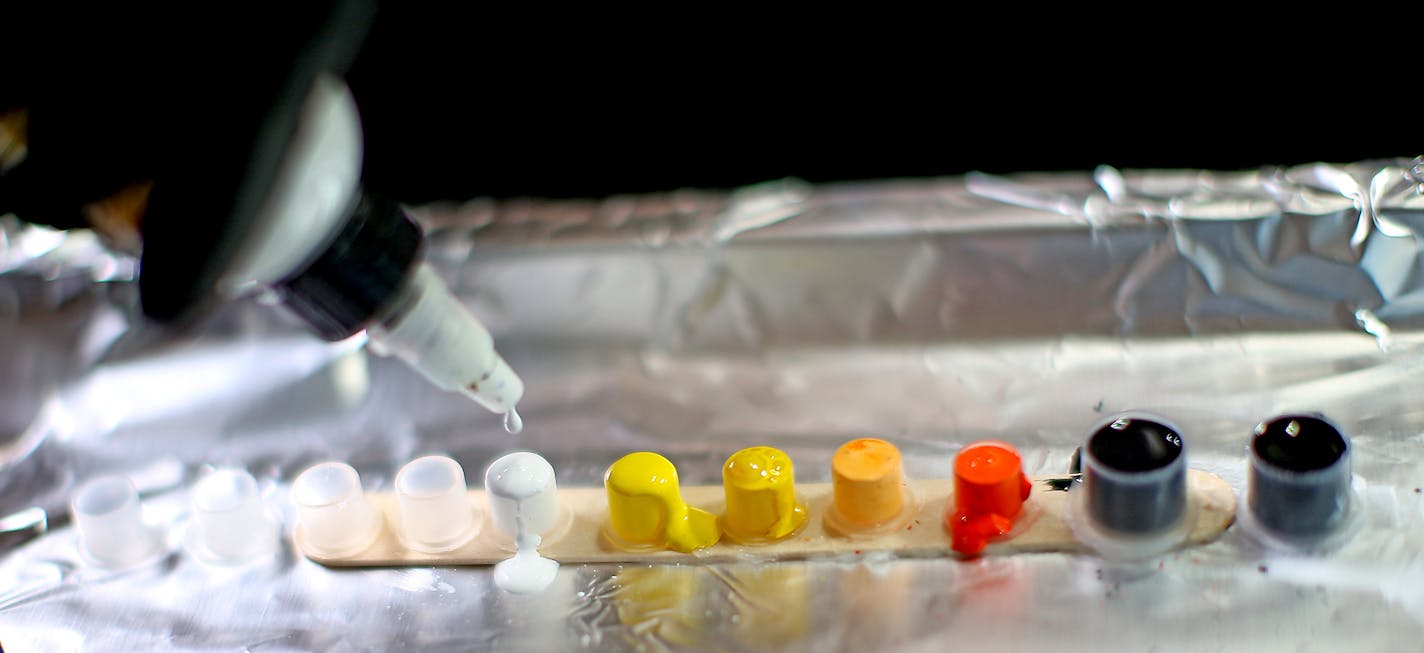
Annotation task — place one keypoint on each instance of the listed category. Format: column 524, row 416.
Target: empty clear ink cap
column 334, row 518
column 231, row 524
column 436, row 514
column 109, row 518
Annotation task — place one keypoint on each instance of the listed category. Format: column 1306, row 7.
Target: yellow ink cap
column 761, row 496
column 868, row 482
column 646, row 510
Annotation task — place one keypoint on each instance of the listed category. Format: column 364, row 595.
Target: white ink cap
column 109, row 518
column 230, row 525
column 521, row 486
column 523, row 502
column 333, row 516
column 436, row 514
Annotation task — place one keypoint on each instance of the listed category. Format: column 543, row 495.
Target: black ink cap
column 1300, row 475
column 1135, row 476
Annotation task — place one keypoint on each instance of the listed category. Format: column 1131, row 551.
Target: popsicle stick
column 1212, row 506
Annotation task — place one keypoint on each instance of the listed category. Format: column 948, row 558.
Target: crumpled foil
column 930, row 312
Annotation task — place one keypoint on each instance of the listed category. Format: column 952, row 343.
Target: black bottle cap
column 361, row 275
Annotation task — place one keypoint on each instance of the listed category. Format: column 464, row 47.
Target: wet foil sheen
column 929, row 312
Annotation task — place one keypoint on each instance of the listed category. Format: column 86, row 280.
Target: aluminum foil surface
column 929, row 312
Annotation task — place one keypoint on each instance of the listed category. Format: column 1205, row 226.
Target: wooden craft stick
column 580, row 539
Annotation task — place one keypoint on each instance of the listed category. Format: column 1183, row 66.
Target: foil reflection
column 663, row 605
column 770, row 604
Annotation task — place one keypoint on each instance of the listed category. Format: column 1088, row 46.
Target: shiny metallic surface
column 932, row 313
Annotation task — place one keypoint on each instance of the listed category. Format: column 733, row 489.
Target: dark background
column 471, row 100
column 462, row 103
column 468, row 100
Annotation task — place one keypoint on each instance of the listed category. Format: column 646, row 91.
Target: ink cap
column 109, row 519
column 1132, row 503
column 759, row 484
column 1299, row 495
column 990, row 490
column 434, row 507
column 522, row 486
column 869, row 494
column 523, row 503
column 230, row 524
column 334, row 517
column 646, row 509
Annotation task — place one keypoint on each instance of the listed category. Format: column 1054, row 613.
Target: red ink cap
column 989, row 491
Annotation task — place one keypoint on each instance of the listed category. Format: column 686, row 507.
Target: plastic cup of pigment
column 646, row 509
column 522, row 494
column 1133, row 500
column 524, row 505
column 869, row 493
column 760, row 488
column 1298, row 489
column 989, row 494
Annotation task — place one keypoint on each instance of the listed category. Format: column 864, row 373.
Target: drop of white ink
column 513, row 423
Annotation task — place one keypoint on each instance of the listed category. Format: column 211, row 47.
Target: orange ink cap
column 989, row 491
column 868, row 482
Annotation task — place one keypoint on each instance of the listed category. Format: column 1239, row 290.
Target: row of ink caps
column 1130, row 489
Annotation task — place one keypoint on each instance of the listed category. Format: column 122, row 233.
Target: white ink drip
column 527, row 572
